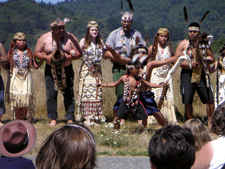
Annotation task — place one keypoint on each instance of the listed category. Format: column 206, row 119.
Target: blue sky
column 46, row 1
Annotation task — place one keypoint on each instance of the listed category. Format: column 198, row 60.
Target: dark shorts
column 140, row 112
column 147, row 99
column 117, row 104
column 188, row 89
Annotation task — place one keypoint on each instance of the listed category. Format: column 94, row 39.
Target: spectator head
column 71, row 146
column 172, row 147
column 218, row 120
column 17, row 138
column 199, row 132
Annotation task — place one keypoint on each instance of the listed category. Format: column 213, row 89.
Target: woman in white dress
column 89, row 97
column 161, row 51
column 20, row 87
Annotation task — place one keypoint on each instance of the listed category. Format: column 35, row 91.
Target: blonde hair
column 199, row 132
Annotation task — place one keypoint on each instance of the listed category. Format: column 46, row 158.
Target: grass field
column 108, row 142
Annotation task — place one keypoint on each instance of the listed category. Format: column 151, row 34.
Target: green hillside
column 33, row 18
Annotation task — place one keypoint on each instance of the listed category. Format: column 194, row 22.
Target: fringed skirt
column 20, row 89
column 167, row 108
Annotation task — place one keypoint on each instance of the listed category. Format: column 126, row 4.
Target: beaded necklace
column 16, row 59
column 123, row 40
column 54, row 45
column 93, row 56
column 130, row 100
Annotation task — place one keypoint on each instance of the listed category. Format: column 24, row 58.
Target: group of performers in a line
column 140, row 74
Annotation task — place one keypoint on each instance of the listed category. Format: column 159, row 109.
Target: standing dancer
column 89, row 98
column 160, row 50
column 58, row 48
column 220, row 67
column 21, row 87
column 195, row 78
column 130, row 101
column 122, row 40
column 146, row 96
column 4, row 61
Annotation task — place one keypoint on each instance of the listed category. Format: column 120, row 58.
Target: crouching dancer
column 130, row 102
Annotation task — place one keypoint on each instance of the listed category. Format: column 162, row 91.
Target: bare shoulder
column 182, row 46
column 82, row 40
column 204, row 157
column 183, row 42
column 123, row 77
column 150, row 48
column 46, row 35
column 82, row 43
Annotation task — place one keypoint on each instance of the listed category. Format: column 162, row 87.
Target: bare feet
column 53, row 123
column 123, row 122
column 1, row 124
column 70, row 122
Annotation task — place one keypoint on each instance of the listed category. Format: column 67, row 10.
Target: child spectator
column 17, row 138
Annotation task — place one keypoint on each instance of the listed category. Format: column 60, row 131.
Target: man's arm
column 179, row 52
column 39, row 50
column 75, row 49
column 115, row 56
column 111, row 43
column 210, row 57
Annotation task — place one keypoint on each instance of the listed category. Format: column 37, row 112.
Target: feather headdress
column 131, row 8
column 193, row 24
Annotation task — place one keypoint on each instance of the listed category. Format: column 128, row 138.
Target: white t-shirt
column 218, row 159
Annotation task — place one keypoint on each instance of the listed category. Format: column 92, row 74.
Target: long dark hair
column 87, row 40
column 69, row 147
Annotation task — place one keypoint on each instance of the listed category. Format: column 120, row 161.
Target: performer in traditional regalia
column 132, row 86
column 20, row 87
column 58, row 48
column 160, row 50
column 3, row 61
column 145, row 95
column 122, row 40
column 89, row 97
column 220, row 81
column 196, row 79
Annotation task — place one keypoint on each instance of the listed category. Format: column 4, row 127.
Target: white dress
column 89, row 97
column 159, row 75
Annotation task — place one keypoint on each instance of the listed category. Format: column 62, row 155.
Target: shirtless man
column 188, row 88
column 45, row 47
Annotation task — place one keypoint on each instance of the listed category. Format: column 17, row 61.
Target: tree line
column 34, row 18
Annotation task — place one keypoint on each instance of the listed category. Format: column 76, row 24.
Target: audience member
column 199, row 132
column 172, row 147
column 69, row 147
column 17, row 138
column 212, row 155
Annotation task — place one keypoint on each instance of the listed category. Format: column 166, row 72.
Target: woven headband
column 92, row 24
column 194, row 28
